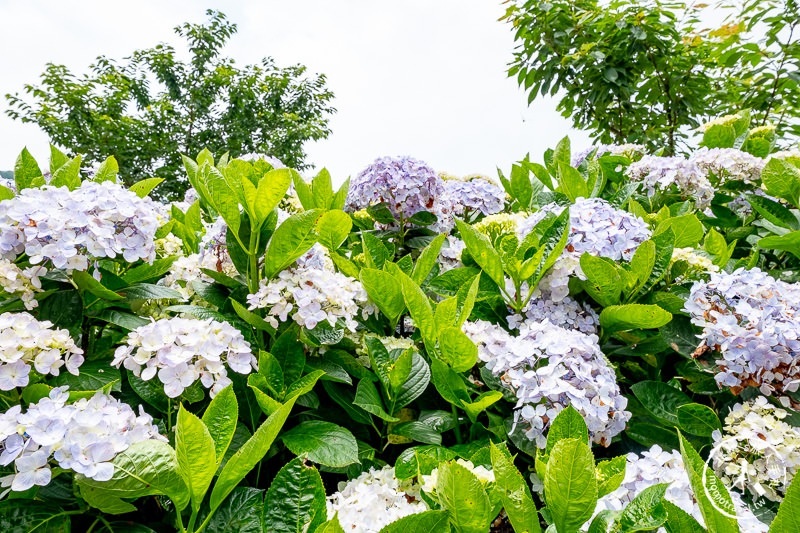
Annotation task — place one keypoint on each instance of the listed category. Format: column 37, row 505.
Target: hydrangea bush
column 604, row 341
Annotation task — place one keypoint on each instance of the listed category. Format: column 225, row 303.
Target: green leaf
column 449, row 383
column 415, row 384
column 197, row 460
column 151, row 391
column 570, row 485
column 719, row 136
column 709, row 492
column 146, row 468
column 661, row 399
column 782, row 179
column 568, row 424
column 291, row 239
column 426, row 521
column 481, row 250
column 385, row 291
column 331, row 526
column 457, row 349
column 417, row 431
column 108, row 170
column 323, row 442
column 427, row 259
column 104, row 500
column 788, row 518
column 220, row 419
column 420, row 309
column 603, row 282
column 149, row 291
column 143, row 188
column 250, row 317
column 27, row 516
column 25, row 170
column 646, row 512
column 85, row 281
column 249, row 454
column 399, row 372
column 295, row 501
column 122, row 319
column 462, row 495
column 304, row 385
column 610, row 475
column 147, row 272
column 322, row 189
column 679, row 521
column 368, row 398
column 93, row 376
column 774, row 212
column 240, row 512
column 290, row 353
column 271, row 189
column 633, row 316
column 521, row 188
column 57, row 159
column 481, row 403
column 688, row 230
column 698, row 419
column 789, row 243
column 68, row 174
column 223, row 198
column 333, row 228
column 421, row 460
column 469, row 301
column 514, row 492
column 571, row 182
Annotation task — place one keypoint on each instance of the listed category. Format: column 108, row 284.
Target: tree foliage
column 150, row 107
column 646, row 72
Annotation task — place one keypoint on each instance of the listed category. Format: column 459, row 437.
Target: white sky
column 419, row 77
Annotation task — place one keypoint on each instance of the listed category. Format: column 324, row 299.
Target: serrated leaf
column 323, row 442
column 197, row 460
column 570, row 485
column 295, row 501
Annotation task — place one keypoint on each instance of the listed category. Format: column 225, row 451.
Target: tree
column 633, row 71
column 150, row 108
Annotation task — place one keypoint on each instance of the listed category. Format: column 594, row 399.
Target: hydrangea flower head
column 549, row 368
column 661, row 173
column 729, row 164
column 22, row 283
column 26, row 342
column 406, row 185
column 84, row 437
column 182, row 350
column 749, row 320
column 476, row 193
column 68, row 228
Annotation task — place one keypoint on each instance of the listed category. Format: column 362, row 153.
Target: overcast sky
column 419, row 77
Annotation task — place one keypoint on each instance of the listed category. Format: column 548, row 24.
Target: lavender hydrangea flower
column 750, row 320
column 477, row 193
column 663, row 172
column 68, row 228
column 406, row 185
column 727, row 164
column 549, row 368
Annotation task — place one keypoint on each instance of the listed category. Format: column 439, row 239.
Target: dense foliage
column 149, row 108
column 649, row 72
column 603, row 342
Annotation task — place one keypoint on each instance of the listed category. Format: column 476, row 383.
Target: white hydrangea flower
column 756, row 450
column 698, row 265
column 430, row 482
column 729, row 164
column 719, row 121
column 84, row 437
column 658, row 172
column 26, row 342
column 450, row 254
column 169, row 246
column 750, row 320
column 68, row 228
column 312, row 292
column 23, row 283
column 181, row 350
column 373, row 500
column 549, row 368
column 595, row 227
column 656, row 466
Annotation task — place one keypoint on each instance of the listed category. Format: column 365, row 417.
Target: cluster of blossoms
column 750, row 319
column 656, row 466
column 567, row 313
column 431, row 481
column 725, row 120
column 373, row 500
column 595, row 227
column 697, row 265
column 757, row 451
column 475, row 192
column 169, row 246
column 450, row 254
column 186, row 270
column 22, row 283
column 548, row 368
column 25, row 341
column 729, row 164
column 495, row 225
column 84, row 436
column 661, row 173
column 68, row 228
column 312, row 292
column 406, row 186
column 181, row 350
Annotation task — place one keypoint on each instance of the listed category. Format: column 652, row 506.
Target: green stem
column 192, row 520
column 252, row 261
column 91, row 527
column 180, row 520
column 457, row 428
column 169, row 415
